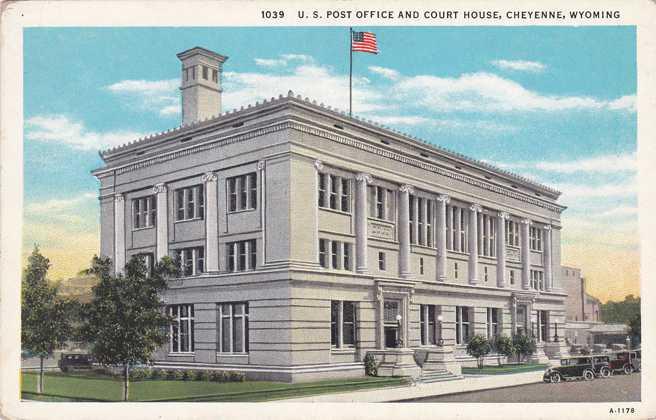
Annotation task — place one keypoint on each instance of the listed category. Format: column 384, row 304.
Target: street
column 616, row 388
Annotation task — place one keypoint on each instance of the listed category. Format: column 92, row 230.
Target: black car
column 625, row 361
column 71, row 361
column 601, row 366
column 572, row 368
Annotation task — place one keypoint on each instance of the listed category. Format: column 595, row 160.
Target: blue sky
column 553, row 103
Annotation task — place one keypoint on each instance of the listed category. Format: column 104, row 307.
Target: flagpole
column 351, row 71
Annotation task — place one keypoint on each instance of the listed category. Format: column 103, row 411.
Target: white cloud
column 270, row 62
column 153, row 95
column 51, row 206
column 486, row 92
column 385, row 72
column 601, row 164
column 519, row 65
column 578, row 191
column 621, row 211
column 60, row 129
column 283, row 60
column 439, row 123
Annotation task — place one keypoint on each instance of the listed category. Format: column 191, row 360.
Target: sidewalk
column 469, row 383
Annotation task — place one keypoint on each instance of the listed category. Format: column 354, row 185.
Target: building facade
column 580, row 305
column 308, row 239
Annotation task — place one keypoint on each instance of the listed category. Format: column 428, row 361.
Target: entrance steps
column 436, row 375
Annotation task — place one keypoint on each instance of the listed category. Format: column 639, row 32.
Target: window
column 485, row 273
column 242, row 255
column 382, row 266
column 233, row 327
column 186, row 74
column 427, row 324
column 543, row 326
column 205, row 73
column 181, row 330
column 420, row 214
column 512, row 233
column 492, row 322
column 486, row 235
column 242, row 192
column 457, row 226
column 421, row 265
column 380, row 203
column 512, row 276
column 342, row 324
column 144, row 212
column 193, row 72
column 335, row 254
column 537, row 279
column 462, row 324
column 455, row 270
column 334, row 192
column 215, row 75
column 190, row 203
column 148, row 260
column 411, row 214
column 535, row 238
column 192, row 260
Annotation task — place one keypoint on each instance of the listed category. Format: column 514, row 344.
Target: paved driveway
column 614, row 389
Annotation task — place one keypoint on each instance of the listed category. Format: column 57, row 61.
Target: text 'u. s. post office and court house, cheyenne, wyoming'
column 308, row 239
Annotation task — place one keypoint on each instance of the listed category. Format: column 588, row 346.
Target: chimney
column 200, row 84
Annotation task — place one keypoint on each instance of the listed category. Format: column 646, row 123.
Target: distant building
column 580, row 305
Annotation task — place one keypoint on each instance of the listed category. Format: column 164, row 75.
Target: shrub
column 202, row 375
column 155, row 373
column 169, row 374
column 215, row 376
column 225, row 376
column 187, row 375
column 478, row 347
column 370, row 365
column 178, row 374
column 524, row 346
column 504, row 346
column 137, row 374
column 237, row 377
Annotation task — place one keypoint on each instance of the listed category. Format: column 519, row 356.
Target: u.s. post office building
column 308, row 238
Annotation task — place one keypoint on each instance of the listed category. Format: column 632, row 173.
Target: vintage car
column 72, row 361
column 601, row 365
column 626, row 361
column 586, row 367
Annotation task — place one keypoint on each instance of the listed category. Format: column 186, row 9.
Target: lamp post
column 440, row 340
column 399, row 340
column 628, row 342
column 556, row 338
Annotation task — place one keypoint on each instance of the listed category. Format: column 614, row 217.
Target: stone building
column 308, row 239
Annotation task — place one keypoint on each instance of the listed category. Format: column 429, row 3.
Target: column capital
column 159, row 188
column 261, row 164
column 208, row 177
column 526, row 222
column 364, row 177
column 444, row 198
column 476, row 207
column 119, row 197
column 406, row 188
column 504, row 215
column 318, row 164
column 547, row 227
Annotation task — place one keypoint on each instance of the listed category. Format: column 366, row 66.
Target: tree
column 524, row 346
column 478, row 347
column 504, row 346
column 635, row 330
column 45, row 317
column 620, row 312
column 125, row 322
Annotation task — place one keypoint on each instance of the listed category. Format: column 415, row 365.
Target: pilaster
column 211, row 223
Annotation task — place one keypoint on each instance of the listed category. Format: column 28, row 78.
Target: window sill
column 143, row 228
column 337, row 270
column 376, row 219
column 241, row 211
column 344, row 350
column 195, row 219
column 220, row 354
column 345, row 213
column 182, row 354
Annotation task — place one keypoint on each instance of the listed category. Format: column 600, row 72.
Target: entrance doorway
column 392, row 327
column 521, row 324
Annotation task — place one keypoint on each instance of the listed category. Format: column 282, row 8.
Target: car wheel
column 555, row 378
column 588, row 375
column 628, row 369
column 605, row 372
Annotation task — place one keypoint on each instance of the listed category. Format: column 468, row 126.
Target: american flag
column 364, row 42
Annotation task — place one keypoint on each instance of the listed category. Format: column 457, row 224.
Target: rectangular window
column 192, row 261
column 535, row 239
column 233, row 327
column 190, row 203
column 381, row 261
column 323, row 252
column 205, row 73
column 215, row 75
column 322, row 190
column 427, row 325
column 543, row 326
column 485, row 276
column 148, row 259
column 512, row 233
column 346, row 256
column 512, row 276
column 186, row 74
column 380, row 203
column 346, row 195
column 486, row 235
column 334, row 192
column 242, row 255
column 411, row 215
column 463, row 230
column 193, row 72
column 462, row 324
column 181, row 329
column 421, row 265
column 429, row 224
column 342, row 324
column 242, row 192
column 144, row 212
column 455, row 270
column 334, row 254
column 537, row 279
column 492, row 322
column 421, row 214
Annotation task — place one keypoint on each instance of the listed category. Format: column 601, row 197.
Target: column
column 160, row 191
column 404, row 230
column 441, row 232
column 424, row 314
column 526, row 254
column 548, row 270
column 501, row 248
column 380, row 321
column 474, row 209
column 415, row 219
column 361, row 209
column 340, row 325
column 211, row 223
column 119, row 233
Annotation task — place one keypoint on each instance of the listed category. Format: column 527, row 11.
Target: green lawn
column 503, row 369
column 92, row 387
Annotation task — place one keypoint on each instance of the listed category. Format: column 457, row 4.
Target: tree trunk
column 39, row 385
column 126, row 381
